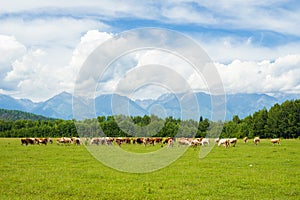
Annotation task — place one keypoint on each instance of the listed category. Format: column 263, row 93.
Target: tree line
column 279, row 121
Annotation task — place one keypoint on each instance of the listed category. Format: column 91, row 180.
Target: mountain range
column 60, row 106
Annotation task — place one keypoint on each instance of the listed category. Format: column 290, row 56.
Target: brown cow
column 139, row 140
column 274, row 141
column 166, row 140
column 27, row 141
column 119, row 141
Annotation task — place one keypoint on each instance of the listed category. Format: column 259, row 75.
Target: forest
column 279, row 121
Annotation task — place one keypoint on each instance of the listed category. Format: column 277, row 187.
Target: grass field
column 70, row 172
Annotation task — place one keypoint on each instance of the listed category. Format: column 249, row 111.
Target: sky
column 254, row 45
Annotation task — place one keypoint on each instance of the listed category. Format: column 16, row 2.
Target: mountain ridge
column 60, row 105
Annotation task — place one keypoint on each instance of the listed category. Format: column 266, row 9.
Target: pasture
column 246, row 171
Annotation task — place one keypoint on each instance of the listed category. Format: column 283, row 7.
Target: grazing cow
column 217, row 140
column 41, row 141
column 95, row 141
column 166, row 140
column 170, row 143
column 119, row 141
column 274, row 141
column 225, row 142
column 183, row 141
column 245, row 139
column 64, row 140
column 233, row 141
column 158, row 140
column 140, row 140
column 195, row 143
column 256, row 140
column 109, row 140
column 204, row 141
column 27, row 141
column 150, row 141
column 76, row 140
column 127, row 140
column 133, row 140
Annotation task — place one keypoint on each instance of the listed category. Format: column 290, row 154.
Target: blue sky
column 254, row 44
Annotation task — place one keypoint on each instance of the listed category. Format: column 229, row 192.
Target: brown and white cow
column 245, row 139
column 41, row 141
column 233, row 141
column 224, row 142
column 170, row 143
column 256, row 140
column 204, row 141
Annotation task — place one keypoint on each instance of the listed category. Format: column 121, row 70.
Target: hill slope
column 13, row 115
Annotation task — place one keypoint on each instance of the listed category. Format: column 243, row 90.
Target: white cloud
column 48, row 32
column 278, row 16
column 41, row 73
column 43, row 44
column 88, row 43
column 262, row 77
column 227, row 49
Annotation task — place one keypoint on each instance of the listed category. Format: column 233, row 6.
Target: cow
column 127, row 140
column 245, row 139
column 64, row 140
column 41, row 141
column 225, row 142
column 204, row 141
column 119, row 141
column 233, row 141
column 170, row 143
column 256, row 140
column 158, row 140
column 195, row 143
column 274, row 141
column 139, row 140
column 166, row 140
column 217, row 140
column 109, row 140
column 183, row 141
column 27, row 141
column 76, row 140
column 95, row 141
column 50, row 140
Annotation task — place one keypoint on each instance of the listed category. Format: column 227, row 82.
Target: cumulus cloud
column 282, row 75
column 39, row 73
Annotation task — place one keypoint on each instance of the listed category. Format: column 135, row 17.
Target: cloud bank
column 254, row 45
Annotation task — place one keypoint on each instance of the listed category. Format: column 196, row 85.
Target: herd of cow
column 193, row 142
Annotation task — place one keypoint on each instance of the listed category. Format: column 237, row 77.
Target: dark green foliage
column 13, row 115
column 280, row 121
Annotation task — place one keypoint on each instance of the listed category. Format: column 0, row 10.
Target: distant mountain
column 7, row 102
column 13, row 115
column 113, row 104
column 60, row 106
column 246, row 104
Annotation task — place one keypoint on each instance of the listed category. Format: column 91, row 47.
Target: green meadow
column 246, row 171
